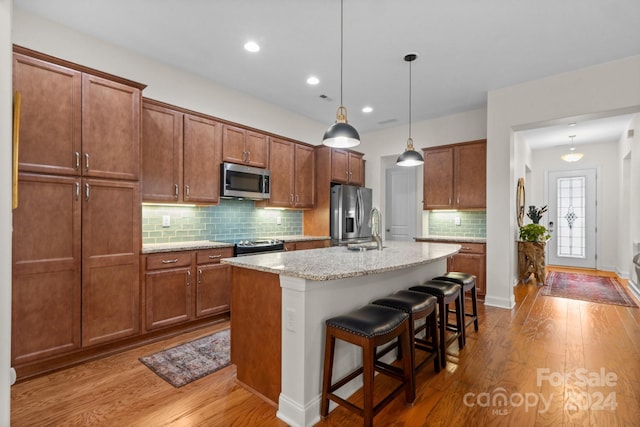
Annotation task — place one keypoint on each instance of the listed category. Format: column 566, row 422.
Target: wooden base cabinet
column 471, row 259
column 182, row 286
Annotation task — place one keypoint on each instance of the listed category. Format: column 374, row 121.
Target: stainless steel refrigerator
column 350, row 214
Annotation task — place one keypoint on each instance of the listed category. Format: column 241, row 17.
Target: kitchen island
column 280, row 302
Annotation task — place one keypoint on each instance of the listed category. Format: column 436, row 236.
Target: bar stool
column 418, row 306
column 369, row 327
column 468, row 283
column 446, row 293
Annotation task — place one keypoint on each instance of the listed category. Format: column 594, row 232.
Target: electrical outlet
column 166, row 221
column 457, row 220
column 290, row 319
column 279, row 220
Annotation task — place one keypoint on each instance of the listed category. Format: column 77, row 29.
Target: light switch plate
column 457, row 220
column 166, row 221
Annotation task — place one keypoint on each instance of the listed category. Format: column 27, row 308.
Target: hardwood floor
column 522, row 355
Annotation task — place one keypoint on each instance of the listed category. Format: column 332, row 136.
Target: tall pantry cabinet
column 76, row 230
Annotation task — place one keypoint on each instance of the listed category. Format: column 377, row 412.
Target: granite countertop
column 151, row 248
column 452, row 239
column 338, row 262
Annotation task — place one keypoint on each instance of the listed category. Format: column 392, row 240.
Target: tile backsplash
column 443, row 223
column 230, row 221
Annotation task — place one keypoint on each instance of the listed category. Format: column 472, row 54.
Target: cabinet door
column 201, row 159
column 356, row 169
column 50, row 116
column 471, row 264
column 257, row 148
column 213, row 289
column 161, row 153
column 167, row 297
column 233, row 144
column 46, row 268
column 471, row 175
column 438, row 178
column 304, row 176
column 339, row 166
column 282, row 173
column 110, row 260
column 110, row 129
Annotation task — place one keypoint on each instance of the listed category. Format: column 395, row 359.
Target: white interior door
column 400, row 223
column 572, row 217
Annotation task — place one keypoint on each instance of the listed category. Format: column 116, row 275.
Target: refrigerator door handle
column 359, row 209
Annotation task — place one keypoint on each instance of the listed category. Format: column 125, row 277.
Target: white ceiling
column 466, row 47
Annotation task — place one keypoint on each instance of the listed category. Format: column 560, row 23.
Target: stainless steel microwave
column 244, row 182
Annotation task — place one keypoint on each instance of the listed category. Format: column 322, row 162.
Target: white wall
column 604, row 157
column 164, row 83
column 5, row 210
column 629, row 204
column 614, row 86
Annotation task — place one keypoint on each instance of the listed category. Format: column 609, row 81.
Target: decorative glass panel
column 571, row 213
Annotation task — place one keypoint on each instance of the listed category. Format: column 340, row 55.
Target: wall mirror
column 520, row 202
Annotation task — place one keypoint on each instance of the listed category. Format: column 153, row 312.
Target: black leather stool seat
column 420, row 306
column 369, row 327
column 369, row 321
column 446, row 293
column 468, row 283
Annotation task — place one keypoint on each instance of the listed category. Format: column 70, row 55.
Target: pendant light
column 572, row 156
column 410, row 157
column 341, row 134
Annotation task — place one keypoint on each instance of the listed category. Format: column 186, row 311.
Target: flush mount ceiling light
column 410, row 157
column 313, row 80
column 252, row 46
column 572, row 156
column 341, row 134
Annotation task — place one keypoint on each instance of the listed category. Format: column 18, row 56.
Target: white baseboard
column 635, row 289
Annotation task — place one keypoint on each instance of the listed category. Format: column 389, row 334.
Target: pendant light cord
column 410, row 99
column 341, row 45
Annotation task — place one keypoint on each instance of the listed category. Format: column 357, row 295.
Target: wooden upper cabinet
column 304, row 176
column 244, row 147
column 292, row 168
column 347, row 167
column 76, row 121
column 50, row 116
column 455, row 176
column 180, row 155
column 438, row 178
column 110, row 129
column 161, row 153
column 201, row 159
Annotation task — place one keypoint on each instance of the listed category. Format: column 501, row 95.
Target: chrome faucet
column 376, row 226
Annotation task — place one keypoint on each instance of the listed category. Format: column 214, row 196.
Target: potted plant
column 534, row 233
column 533, row 238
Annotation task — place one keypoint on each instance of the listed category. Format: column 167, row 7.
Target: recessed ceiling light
column 367, row 109
column 313, row 80
column 252, row 46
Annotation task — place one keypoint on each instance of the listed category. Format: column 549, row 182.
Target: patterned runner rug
column 193, row 360
column 585, row 287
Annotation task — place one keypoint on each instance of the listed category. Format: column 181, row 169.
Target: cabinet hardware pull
column 77, row 190
column 86, row 161
column 215, row 256
column 86, row 191
column 466, row 248
column 449, row 200
column 297, row 198
column 188, row 278
column 248, row 155
column 169, row 261
column 199, row 276
column 291, row 198
column 458, row 200
column 187, row 190
column 77, row 160
column 176, row 189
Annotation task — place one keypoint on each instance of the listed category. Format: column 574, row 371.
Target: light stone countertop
column 338, row 262
column 151, row 248
column 452, row 239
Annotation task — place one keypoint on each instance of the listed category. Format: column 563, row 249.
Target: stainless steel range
column 255, row 247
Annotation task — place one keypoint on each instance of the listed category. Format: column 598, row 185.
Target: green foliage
column 534, row 233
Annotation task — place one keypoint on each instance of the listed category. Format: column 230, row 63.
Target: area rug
column 193, row 360
column 585, row 287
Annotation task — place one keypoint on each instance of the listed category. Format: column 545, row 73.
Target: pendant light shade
column 410, row 157
column 341, row 134
column 571, row 156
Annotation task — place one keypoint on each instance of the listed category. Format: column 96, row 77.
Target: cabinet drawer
column 472, row 248
column 168, row 260
column 211, row 256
